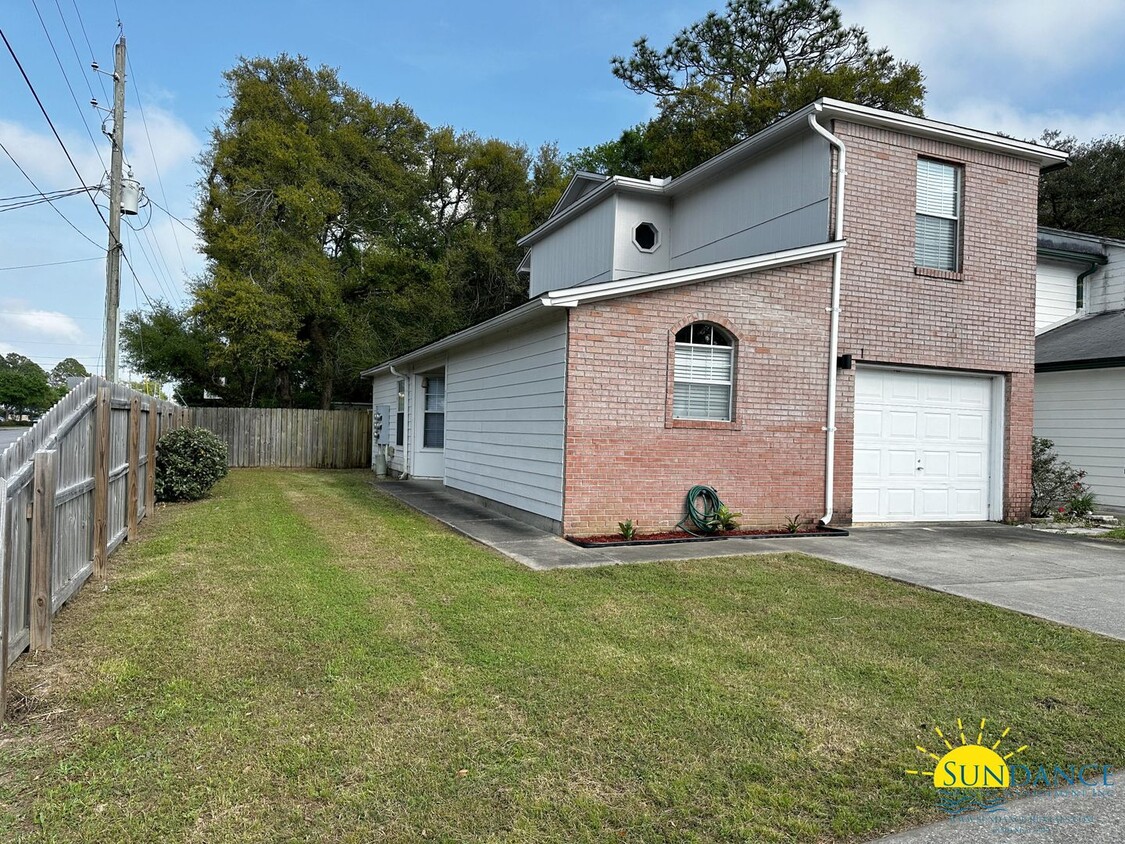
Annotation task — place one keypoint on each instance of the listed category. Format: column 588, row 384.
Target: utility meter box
column 381, row 424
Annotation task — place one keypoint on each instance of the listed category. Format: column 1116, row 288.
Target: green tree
column 1089, row 195
column 24, row 388
column 730, row 75
column 339, row 231
column 66, row 368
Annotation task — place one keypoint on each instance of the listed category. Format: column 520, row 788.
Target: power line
column 66, row 79
column 152, row 154
column 51, row 264
column 28, row 203
column 93, row 58
column 174, row 217
column 22, row 196
column 49, row 202
column 50, row 123
column 129, row 264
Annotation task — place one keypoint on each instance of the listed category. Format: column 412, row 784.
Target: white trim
column 999, row 447
column 573, row 296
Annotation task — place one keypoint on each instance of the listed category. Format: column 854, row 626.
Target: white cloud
column 48, row 325
column 44, row 160
column 1028, row 124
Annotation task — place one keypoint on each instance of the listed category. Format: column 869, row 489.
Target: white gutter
column 405, row 415
column 834, row 319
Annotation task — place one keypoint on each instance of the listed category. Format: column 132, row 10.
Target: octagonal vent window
column 646, row 237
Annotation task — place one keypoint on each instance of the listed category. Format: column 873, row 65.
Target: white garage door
column 922, row 446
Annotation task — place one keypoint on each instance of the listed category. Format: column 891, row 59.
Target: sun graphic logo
column 972, row 774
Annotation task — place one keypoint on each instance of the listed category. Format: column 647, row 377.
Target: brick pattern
column 626, row 458
column 982, row 319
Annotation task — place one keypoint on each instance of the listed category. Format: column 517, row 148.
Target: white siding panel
column 579, row 252
column 1055, row 290
column 779, row 200
column 1083, row 411
column 1107, row 285
column 505, row 418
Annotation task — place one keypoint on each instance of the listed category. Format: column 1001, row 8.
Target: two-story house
column 834, row 318
column 1080, row 356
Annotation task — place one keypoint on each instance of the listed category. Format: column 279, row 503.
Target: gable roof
column 574, row 296
column 1091, row 342
column 825, row 110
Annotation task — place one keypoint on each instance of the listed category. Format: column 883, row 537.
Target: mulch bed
column 610, row 540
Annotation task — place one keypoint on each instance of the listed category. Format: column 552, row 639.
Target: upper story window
column 704, row 373
column 937, row 221
column 646, row 237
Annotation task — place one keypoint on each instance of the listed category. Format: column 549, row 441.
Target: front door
column 429, row 420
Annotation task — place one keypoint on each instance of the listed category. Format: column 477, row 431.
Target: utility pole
column 113, row 256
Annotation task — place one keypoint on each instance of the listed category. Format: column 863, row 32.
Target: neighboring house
column 1080, row 356
column 684, row 331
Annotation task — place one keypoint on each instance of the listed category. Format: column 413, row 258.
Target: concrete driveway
column 1072, row 580
column 10, row 435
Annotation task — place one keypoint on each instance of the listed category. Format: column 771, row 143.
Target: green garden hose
column 704, row 519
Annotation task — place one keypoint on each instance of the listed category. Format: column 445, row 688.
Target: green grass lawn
column 300, row 658
column 1117, row 534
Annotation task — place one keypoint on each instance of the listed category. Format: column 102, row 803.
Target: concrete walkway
column 1074, row 581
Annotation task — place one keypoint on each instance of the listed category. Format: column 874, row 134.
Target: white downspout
column 406, row 416
column 834, row 318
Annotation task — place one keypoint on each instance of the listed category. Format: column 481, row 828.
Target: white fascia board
column 574, row 296
column 923, row 127
column 508, row 319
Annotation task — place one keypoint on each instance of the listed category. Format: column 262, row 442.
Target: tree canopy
column 24, row 387
column 1089, row 195
column 729, row 75
column 339, row 231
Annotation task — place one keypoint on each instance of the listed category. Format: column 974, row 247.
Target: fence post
column 134, row 448
column 102, row 423
column 42, row 547
column 150, row 462
column 5, row 598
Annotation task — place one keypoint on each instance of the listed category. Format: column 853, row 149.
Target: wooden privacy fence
column 314, row 439
column 72, row 489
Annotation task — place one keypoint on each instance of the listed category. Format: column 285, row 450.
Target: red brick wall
column 627, row 459
column 983, row 319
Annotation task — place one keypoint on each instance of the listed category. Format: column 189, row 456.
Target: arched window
column 704, row 373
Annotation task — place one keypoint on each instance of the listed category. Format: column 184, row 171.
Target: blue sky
column 530, row 72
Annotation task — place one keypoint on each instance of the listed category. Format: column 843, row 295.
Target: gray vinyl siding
column 1083, row 411
column 628, row 260
column 384, row 390
column 580, row 252
column 778, row 200
column 505, row 415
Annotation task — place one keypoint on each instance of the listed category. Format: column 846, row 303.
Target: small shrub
column 724, row 519
column 627, row 529
column 189, row 461
column 1055, row 483
column 793, row 523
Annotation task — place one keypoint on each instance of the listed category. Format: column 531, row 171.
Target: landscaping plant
column 627, row 529
column 189, row 461
column 1057, row 488
column 793, row 523
column 724, row 519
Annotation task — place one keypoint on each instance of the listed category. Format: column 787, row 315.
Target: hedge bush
column 189, row 461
